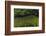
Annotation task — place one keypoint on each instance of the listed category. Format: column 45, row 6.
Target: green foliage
column 25, row 11
column 22, row 11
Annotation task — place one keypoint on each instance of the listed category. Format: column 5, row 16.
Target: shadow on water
column 20, row 16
